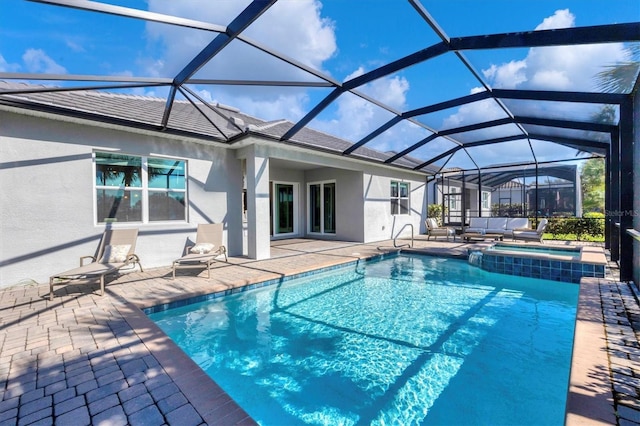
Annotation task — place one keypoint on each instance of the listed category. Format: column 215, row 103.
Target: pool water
column 406, row 340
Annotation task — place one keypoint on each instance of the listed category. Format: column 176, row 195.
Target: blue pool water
column 406, row 340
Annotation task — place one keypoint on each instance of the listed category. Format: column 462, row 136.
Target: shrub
column 591, row 225
column 595, row 224
column 435, row 211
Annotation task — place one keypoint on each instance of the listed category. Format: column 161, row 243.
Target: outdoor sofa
column 497, row 225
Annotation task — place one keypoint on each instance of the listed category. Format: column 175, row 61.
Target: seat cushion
column 494, row 231
column 496, row 224
column 517, row 222
column 432, row 223
column 476, row 230
column 89, row 270
column 477, row 223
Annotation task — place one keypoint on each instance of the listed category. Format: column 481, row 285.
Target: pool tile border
column 592, row 263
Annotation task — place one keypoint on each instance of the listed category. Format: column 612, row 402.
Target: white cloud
column 566, row 68
column 560, row 19
column 557, row 67
column 36, row 60
column 295, row 28
column 7, row 67
column 356, row 117
column 74, row 46
column 476, row 112
column 508, row 75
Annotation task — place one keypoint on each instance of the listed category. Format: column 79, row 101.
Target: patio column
column 258, row 217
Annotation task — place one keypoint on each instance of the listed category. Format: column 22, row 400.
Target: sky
column 342, row 40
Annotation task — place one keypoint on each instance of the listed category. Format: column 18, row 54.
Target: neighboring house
column 503, row 193
column 557, row 193
column 509, row 198
column 66, row 176
column 458, row 197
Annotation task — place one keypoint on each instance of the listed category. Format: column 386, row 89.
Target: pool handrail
column 400, row 232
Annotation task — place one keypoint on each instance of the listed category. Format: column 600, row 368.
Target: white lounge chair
column 531, row 235
column 433, row 230
column 116, row 250
column 207, row 249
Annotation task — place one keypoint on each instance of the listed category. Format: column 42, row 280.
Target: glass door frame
column 275, row 208
column 322, row 206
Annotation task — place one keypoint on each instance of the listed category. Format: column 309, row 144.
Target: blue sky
column 342, row 41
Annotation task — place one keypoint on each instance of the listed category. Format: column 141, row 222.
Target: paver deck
column 86, row 359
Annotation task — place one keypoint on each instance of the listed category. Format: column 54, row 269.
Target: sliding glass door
column 322, row 207
column 284, row 208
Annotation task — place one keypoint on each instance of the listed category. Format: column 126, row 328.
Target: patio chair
column 207, row 249
column 433, row 230
column 115, row 251
column 531, row 235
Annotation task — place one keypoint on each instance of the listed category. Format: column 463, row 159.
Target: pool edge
column 590, row 401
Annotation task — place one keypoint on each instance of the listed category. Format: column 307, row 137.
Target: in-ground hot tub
column 567, row 264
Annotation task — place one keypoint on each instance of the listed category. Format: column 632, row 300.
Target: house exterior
column 66, row 177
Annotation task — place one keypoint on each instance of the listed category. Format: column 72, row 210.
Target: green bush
column 589, row 227
column 595, row 222
column 509, row 210
column 435, row 211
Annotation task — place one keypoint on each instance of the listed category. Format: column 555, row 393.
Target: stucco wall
column 47, row 218
column 379, row 223
column 363, row 211
column 349, row 204
column 47, row 215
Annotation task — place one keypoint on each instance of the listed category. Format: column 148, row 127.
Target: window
column 139, row 189
column 399, row 198
column 485, row 200
column 455, row 199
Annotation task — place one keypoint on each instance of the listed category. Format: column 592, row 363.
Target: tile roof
column 215, row 122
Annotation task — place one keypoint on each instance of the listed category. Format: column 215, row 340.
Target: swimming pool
column 442, row 342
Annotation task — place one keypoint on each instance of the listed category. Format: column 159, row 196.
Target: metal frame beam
column 615, row 33
column 252, row 12
column 626, row 190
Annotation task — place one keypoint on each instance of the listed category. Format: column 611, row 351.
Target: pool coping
column 589, row 401
column 213, row 404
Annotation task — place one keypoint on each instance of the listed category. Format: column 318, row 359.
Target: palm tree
column 621, row 77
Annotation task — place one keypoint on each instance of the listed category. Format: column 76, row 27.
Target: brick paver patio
column 85, row 359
